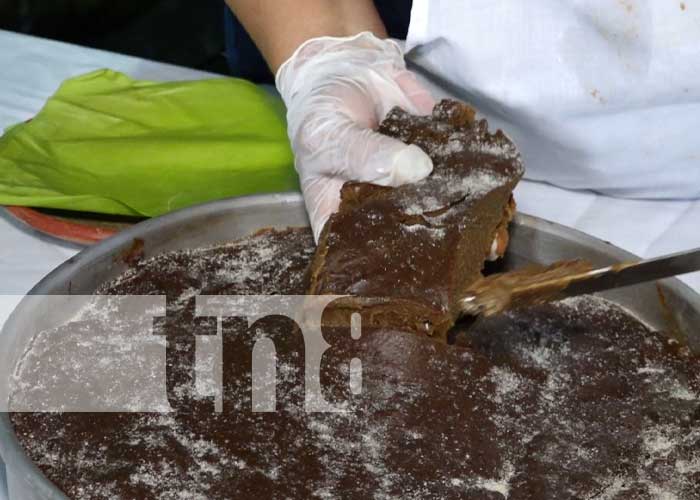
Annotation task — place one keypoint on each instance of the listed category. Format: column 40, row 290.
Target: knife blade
column 498, row 293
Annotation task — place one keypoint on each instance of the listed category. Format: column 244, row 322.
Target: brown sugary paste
column 569, row 400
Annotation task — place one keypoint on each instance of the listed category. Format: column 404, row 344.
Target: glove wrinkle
column 337, row 91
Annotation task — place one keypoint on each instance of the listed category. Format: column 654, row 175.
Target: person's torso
column 598, row 94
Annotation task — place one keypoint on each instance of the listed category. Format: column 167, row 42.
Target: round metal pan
column 669, row 305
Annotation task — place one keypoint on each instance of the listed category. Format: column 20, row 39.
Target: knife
column 536, row 284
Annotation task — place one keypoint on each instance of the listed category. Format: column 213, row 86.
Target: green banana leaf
column 108, row 144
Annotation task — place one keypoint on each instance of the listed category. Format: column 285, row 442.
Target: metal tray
column 672, row 306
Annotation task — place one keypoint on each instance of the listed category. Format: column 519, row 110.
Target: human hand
column 337, row 91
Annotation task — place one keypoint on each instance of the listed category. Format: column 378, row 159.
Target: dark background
column 185, row 32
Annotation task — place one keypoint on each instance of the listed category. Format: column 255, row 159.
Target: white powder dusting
column 651, row 370
column 426, row 204
column 687, row 467
column 455, row 145
column 501, row 484
column 612, row 490
column 680, row 391
column 459, row 142
column 658, row 441
column 437, row 233
column 505, row 383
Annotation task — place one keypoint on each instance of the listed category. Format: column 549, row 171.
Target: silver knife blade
column 501, row 292
column 621, row 275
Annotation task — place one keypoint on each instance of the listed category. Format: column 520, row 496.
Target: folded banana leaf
column 108, row 144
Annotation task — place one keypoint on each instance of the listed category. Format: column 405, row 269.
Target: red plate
column 84, row 229
column 75, row 227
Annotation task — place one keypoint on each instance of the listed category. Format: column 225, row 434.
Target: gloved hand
column 337, row 91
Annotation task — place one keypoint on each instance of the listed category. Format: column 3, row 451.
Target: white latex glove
column 337, row 91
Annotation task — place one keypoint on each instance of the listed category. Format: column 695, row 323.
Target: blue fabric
column 245, row 60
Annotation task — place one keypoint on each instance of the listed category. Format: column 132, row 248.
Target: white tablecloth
column 32, row 69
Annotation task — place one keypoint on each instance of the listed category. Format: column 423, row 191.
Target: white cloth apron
column 597, row 94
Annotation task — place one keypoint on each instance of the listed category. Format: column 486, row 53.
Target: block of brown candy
column 405, row 255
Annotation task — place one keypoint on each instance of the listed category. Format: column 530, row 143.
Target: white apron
column 597, row 94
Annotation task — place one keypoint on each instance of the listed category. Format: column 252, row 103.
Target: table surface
column 33, row 68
